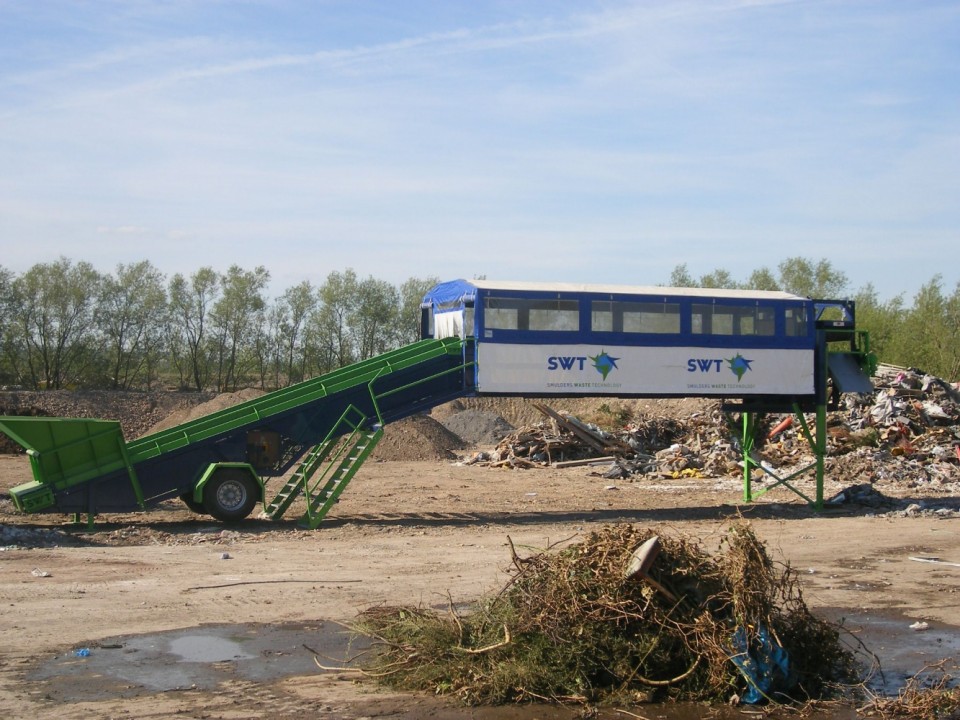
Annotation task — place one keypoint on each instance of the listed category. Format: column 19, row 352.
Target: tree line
column 66, row 325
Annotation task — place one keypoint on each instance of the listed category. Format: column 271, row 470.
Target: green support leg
column 746, row 445
column 818, row 444
column 820, row 450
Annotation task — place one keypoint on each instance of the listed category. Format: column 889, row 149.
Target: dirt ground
column 426, row 532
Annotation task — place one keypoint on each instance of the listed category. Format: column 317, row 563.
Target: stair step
column 363, row 444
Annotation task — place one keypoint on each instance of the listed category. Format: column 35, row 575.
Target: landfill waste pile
column 906, row 432
column 623, row 617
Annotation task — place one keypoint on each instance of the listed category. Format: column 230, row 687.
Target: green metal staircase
column 340, row 455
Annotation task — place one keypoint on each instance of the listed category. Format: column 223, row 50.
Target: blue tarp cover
column 448, row 294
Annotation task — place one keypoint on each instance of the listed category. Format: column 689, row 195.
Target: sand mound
column 415, row 438
column 215, row 404
column 418, row 437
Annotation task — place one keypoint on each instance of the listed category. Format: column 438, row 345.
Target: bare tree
column 190, row 306
column 236, row 315
column 54, row 320
column 131, row 317
column 330, row 333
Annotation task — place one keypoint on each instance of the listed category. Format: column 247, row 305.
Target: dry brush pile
column 572, row 626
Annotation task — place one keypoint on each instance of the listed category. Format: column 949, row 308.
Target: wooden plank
column 588, row 461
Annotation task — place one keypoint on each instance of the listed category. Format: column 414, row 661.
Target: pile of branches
column 571, row 626
column 931, row 694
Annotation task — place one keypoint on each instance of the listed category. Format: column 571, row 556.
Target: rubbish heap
column 647, row 445
column 623, row 617
column 906, row 432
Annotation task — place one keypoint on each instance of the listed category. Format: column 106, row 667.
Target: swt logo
column 602, row 362
column 738, row 365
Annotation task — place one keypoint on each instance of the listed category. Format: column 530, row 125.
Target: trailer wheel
column 230, row 495
column 193, row 504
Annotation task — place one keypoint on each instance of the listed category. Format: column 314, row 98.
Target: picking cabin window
column 635, row 317
column 530, row 314
column 755, row 320
column 796, row 322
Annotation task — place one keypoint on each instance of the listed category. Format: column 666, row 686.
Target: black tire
column 193, row 504
column 230, row 495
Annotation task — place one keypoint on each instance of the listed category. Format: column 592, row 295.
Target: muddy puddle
column 194, row 658
column 902, row 646
column 204, row 658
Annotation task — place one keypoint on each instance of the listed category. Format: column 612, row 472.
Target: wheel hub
column 231, row 495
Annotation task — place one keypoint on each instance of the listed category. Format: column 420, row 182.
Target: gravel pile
column 478, row 427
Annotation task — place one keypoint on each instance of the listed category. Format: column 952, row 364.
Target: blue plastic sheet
column 762, row 661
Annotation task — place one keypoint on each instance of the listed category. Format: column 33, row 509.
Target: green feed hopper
column 65, row 452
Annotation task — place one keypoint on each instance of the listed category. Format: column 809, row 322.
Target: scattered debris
column 936, row 560
column 906, row 433
column 13, row 537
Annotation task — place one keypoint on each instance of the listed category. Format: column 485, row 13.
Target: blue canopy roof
column 450, row 294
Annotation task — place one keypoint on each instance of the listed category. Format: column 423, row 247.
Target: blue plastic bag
column 762, row 662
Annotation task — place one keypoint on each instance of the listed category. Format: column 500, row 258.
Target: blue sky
column 577, row 141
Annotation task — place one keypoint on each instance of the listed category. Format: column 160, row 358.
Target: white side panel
column 590, row 369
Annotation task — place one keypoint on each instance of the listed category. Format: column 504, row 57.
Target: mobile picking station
column 758, row 351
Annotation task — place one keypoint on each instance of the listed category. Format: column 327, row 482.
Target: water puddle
column 903, row 645
column 208, row 649
column 195, row 658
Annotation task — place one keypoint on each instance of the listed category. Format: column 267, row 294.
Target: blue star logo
column 604, row 363
column 739, row 366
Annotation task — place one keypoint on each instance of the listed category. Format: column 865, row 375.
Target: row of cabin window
column 640, row 317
